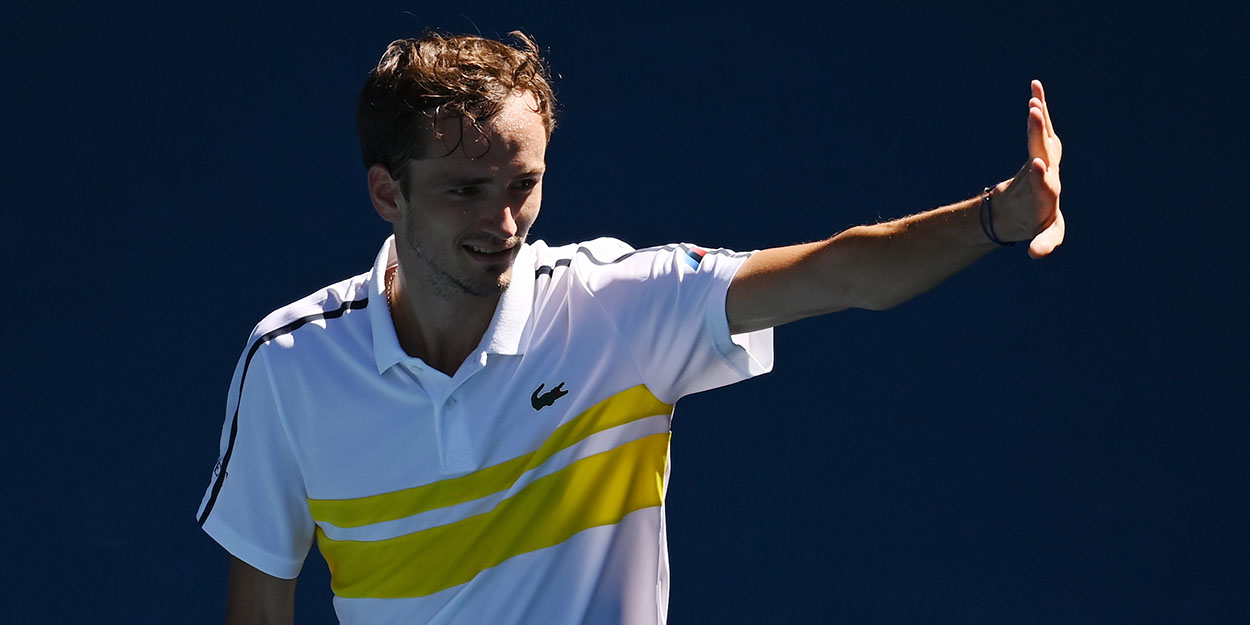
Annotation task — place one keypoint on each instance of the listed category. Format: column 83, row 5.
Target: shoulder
column 335, row 301
column 605, row 256
column 606, row 260
column 604, row 250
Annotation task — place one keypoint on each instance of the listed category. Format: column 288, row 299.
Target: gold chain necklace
column 390, row 287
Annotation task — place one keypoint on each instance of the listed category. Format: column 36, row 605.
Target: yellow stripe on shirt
column 628, row 405
column 594, row 491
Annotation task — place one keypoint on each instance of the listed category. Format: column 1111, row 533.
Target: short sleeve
column 668, row 304
column 256, row 505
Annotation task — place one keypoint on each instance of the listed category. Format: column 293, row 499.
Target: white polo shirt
column 527, row 488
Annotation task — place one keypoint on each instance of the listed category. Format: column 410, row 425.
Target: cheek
column 438, row 218
column 529, row 211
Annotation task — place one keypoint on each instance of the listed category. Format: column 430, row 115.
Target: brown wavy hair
column 464, row 76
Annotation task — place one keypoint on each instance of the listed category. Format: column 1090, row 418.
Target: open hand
column 1030, row 203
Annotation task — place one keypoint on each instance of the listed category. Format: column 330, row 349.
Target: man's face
column 465, row 213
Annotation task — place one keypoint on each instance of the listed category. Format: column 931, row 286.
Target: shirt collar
column 504, row 335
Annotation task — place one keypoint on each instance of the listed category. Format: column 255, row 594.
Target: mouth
column 490, row 254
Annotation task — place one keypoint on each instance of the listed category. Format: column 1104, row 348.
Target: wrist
column 991, row 224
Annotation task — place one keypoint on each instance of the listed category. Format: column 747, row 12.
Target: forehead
column 517, row 130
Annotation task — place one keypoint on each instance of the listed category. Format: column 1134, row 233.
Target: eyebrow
column 469, row 182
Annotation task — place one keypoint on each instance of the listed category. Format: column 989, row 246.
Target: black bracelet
column 987, row 217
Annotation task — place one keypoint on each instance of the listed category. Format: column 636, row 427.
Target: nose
column 501, row 220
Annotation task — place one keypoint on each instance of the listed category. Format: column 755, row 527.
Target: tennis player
column 476, row 429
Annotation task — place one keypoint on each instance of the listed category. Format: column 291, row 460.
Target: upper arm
column 258, row 598
column 256, row 505
column 666, row 307
column 783, row 284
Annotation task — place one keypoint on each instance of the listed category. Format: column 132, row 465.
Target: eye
column 464, row 191
column 525, row 185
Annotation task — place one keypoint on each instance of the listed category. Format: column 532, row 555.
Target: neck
column 441, row 329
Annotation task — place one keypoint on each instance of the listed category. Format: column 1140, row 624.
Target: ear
column 385, row 193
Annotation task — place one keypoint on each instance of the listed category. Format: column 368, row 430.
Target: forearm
column 872, row 267
column 880, row 266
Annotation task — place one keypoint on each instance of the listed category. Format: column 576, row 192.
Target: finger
column 1045, row 186
column 1037, row 166
column 1040, row 93
column 1037, row 134
column 1040, row 167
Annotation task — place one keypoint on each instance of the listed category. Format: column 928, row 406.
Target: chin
column 502, row 282
column 488, row 287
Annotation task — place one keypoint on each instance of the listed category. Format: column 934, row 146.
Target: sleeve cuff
column 237, row 546
column 751, row 353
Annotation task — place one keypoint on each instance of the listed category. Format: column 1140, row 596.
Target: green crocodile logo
column 546, row 399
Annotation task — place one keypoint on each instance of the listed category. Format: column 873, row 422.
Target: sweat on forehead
column 449, row 133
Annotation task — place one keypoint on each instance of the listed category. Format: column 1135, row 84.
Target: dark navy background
column 1033, row 442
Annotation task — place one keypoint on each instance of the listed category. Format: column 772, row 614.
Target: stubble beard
column 444, row 283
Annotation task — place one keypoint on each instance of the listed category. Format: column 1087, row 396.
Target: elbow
column 880, row 306
column 881, row 301
column 870, row 291
column 863, row 279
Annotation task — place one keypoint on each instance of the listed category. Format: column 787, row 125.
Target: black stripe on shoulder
column 547, row 270
column 251, row 351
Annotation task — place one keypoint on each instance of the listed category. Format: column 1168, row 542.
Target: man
column 476, row 431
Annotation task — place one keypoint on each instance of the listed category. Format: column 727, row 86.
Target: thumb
column 1047, row 240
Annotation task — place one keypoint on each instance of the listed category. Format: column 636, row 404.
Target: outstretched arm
column 879, row 266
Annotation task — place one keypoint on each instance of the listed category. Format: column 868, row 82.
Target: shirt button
column 450, row 403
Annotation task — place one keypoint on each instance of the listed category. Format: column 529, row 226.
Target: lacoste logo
column 546, row 399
